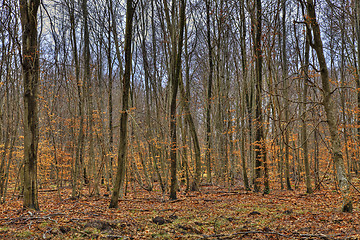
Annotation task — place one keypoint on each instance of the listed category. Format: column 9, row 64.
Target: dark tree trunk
column 30, row 66
column 120, row 174
column 175, row 75
column 208, row 109
column 260, row 152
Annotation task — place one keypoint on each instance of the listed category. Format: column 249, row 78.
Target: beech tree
column 30, row 69
column 120, row 173
column 331, row 115
column 175, row 68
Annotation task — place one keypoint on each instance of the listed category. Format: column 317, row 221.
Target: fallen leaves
column 213, row 213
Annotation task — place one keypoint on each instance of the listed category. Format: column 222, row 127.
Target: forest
column 179, row 119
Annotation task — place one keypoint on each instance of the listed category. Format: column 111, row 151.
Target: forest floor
column 212, row 213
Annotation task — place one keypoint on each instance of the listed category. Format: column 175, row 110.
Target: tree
column 304, row 140
column 175, row 68
column 247, row 99
column 286, row 95
column 328, row 103
column 260, row 151
column 30, row 68
column 120, row 173
column 208, row 97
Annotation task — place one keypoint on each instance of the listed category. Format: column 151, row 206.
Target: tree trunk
column 330, row 108
column 286, row 98
column 175, row 75
column 259, row 134
column 80, row 141
column 245, row 95
column 88, row 90
column 357, row 27
column 208, row 99
column 110, row 109
column 30, row 66
column 120, row 174
column 304, row 138
column 196, row 182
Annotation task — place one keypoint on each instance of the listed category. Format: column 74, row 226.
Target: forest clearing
column 213, row 213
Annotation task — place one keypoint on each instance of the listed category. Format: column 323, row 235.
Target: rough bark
column 30, row 68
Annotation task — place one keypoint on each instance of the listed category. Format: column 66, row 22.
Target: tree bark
column 357, row 27
column 196, row 182
column 30, row 67
column 330, row 108
column 259, row 134
column 244, row 94
column 208, row 98
column 175, row 75
column 286, row 98
column 88, row 91
column 304, row 138
column 80, row 141
column 120, row 174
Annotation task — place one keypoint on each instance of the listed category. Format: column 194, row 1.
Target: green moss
column 4, row 229
column 24, row 234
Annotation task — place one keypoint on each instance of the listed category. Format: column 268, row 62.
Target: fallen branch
column 300, row 236
column 177, row 200
column 117, row 237
column 320, row 236
column 25, row 218
column 139, row 210
column 226, row 236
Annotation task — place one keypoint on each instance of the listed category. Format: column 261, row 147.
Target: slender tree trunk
column 259, row 134
column 110, row 108
column 175, row 75
column 304, row 138
column 80, row 141
column 30, row 66
column 286, row 97
column 208, row 99
column 88, row 90
column 245, row 95
column 329, row 108
column 343, row 90
column 196, row 182
column 120, row 174
column 357, row 27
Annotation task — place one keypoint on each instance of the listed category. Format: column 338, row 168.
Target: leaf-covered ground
column 213, row 213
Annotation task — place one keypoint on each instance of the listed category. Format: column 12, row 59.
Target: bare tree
column 175, row 67
column 331, row 115
column 30, row 66
column 120, row 174
column 260, row 151
column 209, row 91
